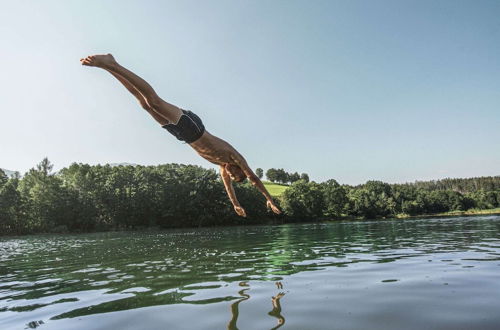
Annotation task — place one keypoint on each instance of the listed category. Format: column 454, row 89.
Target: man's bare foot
column 100, row 61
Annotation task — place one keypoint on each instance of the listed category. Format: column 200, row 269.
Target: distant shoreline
column 470, row 212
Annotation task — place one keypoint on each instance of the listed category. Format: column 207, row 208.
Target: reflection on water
column 46, row 279
column 235, row 306
column 276, row 312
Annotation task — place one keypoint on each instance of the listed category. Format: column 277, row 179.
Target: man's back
column 216, row 150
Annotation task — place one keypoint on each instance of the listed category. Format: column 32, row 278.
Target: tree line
column 82, row 198
column 281, row 176
column 468, row 185
column 376, row 199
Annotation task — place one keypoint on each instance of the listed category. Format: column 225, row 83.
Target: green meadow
column 275, row 189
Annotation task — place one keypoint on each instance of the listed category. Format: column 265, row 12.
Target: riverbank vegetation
column 83, row 198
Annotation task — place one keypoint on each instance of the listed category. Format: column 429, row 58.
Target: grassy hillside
column 275, row 189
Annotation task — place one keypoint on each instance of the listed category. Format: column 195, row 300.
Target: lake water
column 387, row 274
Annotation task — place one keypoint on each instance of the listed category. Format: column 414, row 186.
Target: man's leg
column 164, row 109
column 159, row 118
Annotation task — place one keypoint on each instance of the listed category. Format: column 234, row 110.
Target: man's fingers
column 273, row 207
column 240, row 211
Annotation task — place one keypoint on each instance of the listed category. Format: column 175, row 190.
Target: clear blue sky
column 352, row 90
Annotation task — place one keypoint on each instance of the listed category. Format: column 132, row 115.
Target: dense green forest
column 91, row 198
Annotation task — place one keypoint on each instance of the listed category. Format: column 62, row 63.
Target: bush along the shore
column 83, row 198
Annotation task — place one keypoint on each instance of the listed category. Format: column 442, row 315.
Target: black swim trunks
column 189, row 128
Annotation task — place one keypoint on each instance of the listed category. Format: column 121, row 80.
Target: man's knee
column 145, row 105
column 154, row 101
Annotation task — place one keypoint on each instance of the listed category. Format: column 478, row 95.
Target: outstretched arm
column 230, row 192
column 254, row 179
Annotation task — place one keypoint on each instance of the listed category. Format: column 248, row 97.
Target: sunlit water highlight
column 388, row 274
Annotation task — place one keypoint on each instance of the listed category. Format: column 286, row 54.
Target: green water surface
column 387, row 274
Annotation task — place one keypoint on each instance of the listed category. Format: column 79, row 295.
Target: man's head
column 235, row 172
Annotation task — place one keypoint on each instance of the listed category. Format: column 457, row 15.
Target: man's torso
column 215, row 150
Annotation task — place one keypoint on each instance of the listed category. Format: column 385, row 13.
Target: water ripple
column 67, row 276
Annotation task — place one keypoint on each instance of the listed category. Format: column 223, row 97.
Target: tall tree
column 282, row 176
column 294, row 177
column 272, row 175
column 11, row 209
column 259, row 172
column 3, row 178
column 335, row 199
column 303, row 200
column 373, row 199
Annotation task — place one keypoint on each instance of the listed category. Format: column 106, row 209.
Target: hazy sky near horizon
column 352, row 90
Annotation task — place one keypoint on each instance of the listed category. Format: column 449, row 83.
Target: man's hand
column 240, row 211
column 273, row 207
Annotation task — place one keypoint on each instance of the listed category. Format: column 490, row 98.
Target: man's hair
column 236, row 172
